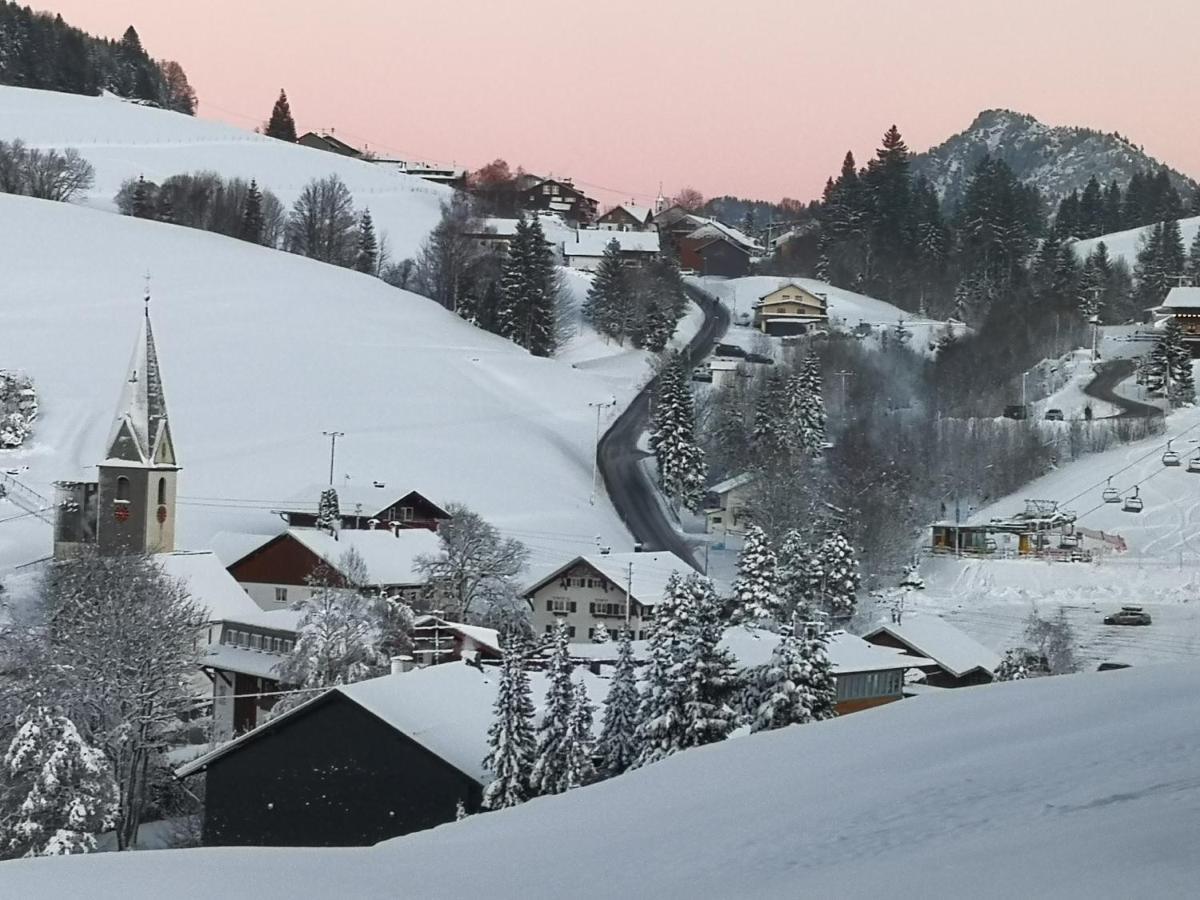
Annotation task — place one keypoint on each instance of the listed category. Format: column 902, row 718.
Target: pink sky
column 758, row 98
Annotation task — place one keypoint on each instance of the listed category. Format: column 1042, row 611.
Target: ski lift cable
column 1153, row 451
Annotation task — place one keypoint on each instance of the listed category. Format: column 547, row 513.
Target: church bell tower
column 136, row 497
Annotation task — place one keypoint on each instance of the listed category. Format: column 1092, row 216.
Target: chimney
column 401, row 664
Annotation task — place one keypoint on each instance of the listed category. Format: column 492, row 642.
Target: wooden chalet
column 714, row 256
column 626, row 217
column 329, row 143
column 950, row 658
column 1182, row 306
column 789, row 310
column 561, row 198
column 368, row 509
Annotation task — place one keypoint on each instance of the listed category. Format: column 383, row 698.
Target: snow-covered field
column 1077, row 786
column 1125, row 244
column 261, row 351
column 124, row 140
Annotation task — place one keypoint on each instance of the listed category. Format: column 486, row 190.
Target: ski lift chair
column 1068, row 541
column 1170, row 457
column 1111, row 494
column 1193, row 465
column 1133, row 503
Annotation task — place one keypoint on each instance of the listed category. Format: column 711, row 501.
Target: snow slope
column 261, row 351
column 124, row 140
column 1125, row 244
column 1078, row 786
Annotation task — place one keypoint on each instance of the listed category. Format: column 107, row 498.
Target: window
column 549, row 627
column 281, row 595
column 256, row 641
column 560, row 605
column 122, row 489
column 162, row 492
column 608, row 610
column 406, row 514
column 570, row 631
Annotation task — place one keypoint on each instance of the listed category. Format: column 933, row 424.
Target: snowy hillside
column 1125, row 244
column 124, row 140
column 1078, row 786
column 261, row 351
column 1056, row 159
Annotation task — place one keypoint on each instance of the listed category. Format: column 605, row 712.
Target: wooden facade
column 413, row 510
column 714, row 256
column 788, row 310
column 561, row 198
column 282, row 560
column 619, row 218
column 329, row 774
column 936, row 675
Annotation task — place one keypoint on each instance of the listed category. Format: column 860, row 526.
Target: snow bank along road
column 630, row 491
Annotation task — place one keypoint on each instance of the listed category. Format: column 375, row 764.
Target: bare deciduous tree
column 323, row 224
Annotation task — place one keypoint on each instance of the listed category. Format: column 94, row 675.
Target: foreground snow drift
column 1080, row 786
column 261, row 351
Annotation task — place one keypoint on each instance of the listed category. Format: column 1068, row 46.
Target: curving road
column 1103, row 387
column 631, row 491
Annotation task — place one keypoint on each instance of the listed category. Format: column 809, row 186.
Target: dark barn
column 330, row 773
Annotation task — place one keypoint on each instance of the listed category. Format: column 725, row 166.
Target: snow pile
column 261, row 351
column 123, row 140
column 1042, row 788
column 1125, row 244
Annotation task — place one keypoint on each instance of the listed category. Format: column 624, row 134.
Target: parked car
column 1016, row 411
column 1111, row 666
column 1129, row 615
column 742, row 318
column 760, row 359
column 702, row 373
column 1054, row 415
column 729, row 350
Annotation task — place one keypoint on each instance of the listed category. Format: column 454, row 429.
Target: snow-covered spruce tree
column 57, row 792
column 662, row 725
column 580, row 768
column 681, row 468
column 755, row 598
column 551, row 762
column 617, row 747
column 541, row 329
column 708, row 671
column 510, row 737
column 839, row 578
column 817, row 685
column 796, row 582
column 811, row 414
column 601, row 635
column 514, row 286
column 778, row 687
column 329, row 517
column 366, row 258
column 607, row 301
column 770, row 435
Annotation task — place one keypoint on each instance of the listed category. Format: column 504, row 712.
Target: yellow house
column 790, row 309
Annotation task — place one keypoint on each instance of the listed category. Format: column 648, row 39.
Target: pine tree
column 514, row 290
column 542, row 330
column 755, row 590
column 681, row 467
column 551, row 766
column 811, row 419
column 607, row 304
column 281, row 125
column 662, row 724
column 770, row 434
column 817, row 684
column 366, row 258
column 510, row 737
column 251, row 228
column 1194, row 256
column 795, row 582
column 57, row 792
column 839, row 577
column 777, row 687
column 617, row 747
column 143, row 202
column 580, row 768
column 708, row 671
column 329, row 516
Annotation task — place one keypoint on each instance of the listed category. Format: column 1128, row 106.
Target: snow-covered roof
column 729, row 484
column 554, row 227
column 487, row 637
column 847, row 652
column 641, row 213
column 447, row 709
column 592, row 242
column 650, row 572
column 932, row 636
column 258, row 663
column 1183, row 298
column 209, row 583
column 717, row 229
column 390, row 557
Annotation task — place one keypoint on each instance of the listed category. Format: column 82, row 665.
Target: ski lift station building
column 1042, row 531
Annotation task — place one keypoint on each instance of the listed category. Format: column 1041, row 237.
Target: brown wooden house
column 714, row 256
column 329, row 144
column 368, row 508
column 626, row 217
column 561, row 198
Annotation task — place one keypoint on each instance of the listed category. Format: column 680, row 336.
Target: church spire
column 141, row 432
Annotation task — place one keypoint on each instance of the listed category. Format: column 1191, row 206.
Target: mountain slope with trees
column 1055, row 159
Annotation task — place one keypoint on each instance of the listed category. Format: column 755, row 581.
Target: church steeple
column 141, row 432
column 136, row 509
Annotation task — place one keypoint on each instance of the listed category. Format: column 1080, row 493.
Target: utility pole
column 843, row 375
column 596, row 453
column 333, row 436
column 628, row 595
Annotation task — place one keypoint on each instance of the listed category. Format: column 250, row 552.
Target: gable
column 791, row 293
column 281, row 560
column 125, row 445
column 164, row 451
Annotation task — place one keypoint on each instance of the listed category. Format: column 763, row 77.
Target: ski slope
column 124, row 140
column 1125, row 244
column 1078, row 786
column 261, row 351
